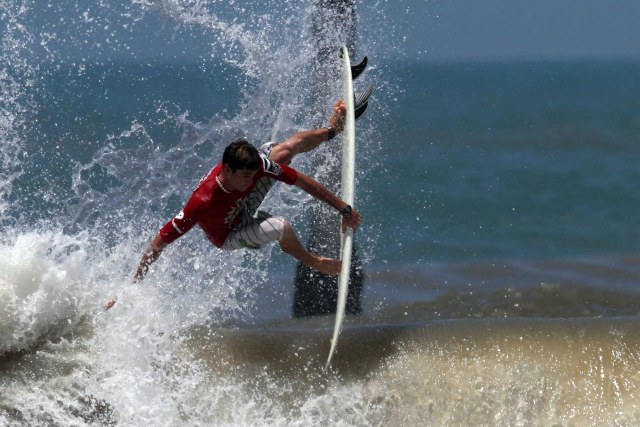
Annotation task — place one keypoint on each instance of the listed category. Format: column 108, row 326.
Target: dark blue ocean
column 500, row 242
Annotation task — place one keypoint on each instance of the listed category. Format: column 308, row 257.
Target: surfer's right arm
column 149, row 257
column 307, row 140
column 172, row 230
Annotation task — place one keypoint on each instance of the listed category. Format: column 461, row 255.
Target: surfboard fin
column 358, row 68
column 361, row 102
column 360, row 111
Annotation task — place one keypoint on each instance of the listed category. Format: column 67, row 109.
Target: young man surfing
column 225, row 202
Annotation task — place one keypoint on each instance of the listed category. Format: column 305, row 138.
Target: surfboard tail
column 343, row 286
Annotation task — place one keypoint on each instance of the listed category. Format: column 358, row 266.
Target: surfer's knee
column 273, row 228
column 287, row 229
column 289, row 241
column 264, row 230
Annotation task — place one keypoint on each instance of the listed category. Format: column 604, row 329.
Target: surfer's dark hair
column 241, row 155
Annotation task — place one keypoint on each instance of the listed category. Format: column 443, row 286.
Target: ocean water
column 500, row 241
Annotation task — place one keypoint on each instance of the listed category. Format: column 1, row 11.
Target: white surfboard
column 348, row 195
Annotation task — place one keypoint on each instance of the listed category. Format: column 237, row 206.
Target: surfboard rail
column 348, row 195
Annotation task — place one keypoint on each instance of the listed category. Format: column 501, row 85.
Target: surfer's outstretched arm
column 149, row 257
column 301, row 142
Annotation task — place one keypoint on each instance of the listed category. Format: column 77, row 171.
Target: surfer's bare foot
column 328, row 266
column 336, row 121
column 291, row 245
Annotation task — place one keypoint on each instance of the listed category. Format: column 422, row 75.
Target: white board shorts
column 256, row 232
column 257, row 228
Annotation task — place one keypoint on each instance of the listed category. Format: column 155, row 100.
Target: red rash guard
column 216, row 210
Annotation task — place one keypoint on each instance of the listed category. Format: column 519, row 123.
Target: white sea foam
column 42, row 276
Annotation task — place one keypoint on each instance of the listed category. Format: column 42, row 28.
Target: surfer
column 225, row 203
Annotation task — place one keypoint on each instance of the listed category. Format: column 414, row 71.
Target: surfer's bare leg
column 301, row 142
column 291, row 245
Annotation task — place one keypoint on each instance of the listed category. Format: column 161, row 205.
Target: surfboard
column 347, row 194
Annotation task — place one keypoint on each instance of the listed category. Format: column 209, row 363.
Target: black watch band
column 346, row 210
column 331, row 133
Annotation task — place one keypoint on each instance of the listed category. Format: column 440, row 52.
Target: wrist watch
column 346, row 211
column 331, row 133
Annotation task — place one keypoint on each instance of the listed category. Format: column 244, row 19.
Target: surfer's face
column 242, row 179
